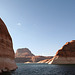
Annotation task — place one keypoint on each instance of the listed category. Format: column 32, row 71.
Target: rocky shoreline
column 24, row 55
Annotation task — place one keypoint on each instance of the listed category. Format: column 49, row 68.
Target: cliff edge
column 66, row 55
column 7, row 54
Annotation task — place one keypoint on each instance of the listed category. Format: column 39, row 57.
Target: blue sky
column 43, row 26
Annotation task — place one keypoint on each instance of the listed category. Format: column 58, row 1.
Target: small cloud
column 19, row 24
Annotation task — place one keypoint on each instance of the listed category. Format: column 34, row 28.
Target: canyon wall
column 7, row 54
column 66, row 55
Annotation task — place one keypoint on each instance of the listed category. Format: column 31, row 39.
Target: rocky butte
column 7, row 54
column 66, row 55
column 24, row 55
column 23, row 52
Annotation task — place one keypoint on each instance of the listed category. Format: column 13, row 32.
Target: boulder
column 7, row 54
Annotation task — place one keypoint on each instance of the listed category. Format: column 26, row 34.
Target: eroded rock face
column 7, row 54
column 45, row 61
column 31, row 59
column 24, row 55
column 66, row 55
column 40, row 58
column 23, row 52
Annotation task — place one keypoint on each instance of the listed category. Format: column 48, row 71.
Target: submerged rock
column 7, row 54
column 66, row 55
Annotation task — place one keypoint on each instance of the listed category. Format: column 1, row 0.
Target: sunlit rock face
column 23, row 52
column 45, row 61
column 7, row 54
column 66, row 55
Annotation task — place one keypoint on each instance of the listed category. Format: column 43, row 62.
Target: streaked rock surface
column 66, row 55
column 7, row 54
column 45, row 61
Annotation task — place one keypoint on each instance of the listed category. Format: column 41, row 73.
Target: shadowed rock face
column 66, row 55
column 7, row 54
column 40, row 58
column 23, row 52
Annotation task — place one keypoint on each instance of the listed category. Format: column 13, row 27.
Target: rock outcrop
column 7, row 54
column 45, row 61
column 66, row 55
column 31, row 59
column 23, row 52
column 40, row 58
column 24, row 55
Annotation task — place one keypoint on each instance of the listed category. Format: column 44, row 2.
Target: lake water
column 43, row 69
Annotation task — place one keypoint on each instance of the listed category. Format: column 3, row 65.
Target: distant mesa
column 66, row 55
column 24, row 55
column 23, row 52
column 7, row 54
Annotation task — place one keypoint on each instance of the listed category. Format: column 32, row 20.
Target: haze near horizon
column 43, row 26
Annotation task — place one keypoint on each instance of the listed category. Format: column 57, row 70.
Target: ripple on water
column 44, row 69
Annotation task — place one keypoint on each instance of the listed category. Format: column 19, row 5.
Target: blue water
column 44, row 69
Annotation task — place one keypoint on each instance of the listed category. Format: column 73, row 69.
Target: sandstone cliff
column 7, row 54
column 40, row 58
column 66, row 55
column 24, row 55
column 45, row 61
column 31, row 59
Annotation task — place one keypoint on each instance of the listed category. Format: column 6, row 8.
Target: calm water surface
column 44, row 69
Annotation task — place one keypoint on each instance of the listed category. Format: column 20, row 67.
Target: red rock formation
column 45, row 61
column 40, row 58
column 24, row 55
column 7, row 54
column 66, row 55
column 23, row 52
column 32, row 59
column 23, row 59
